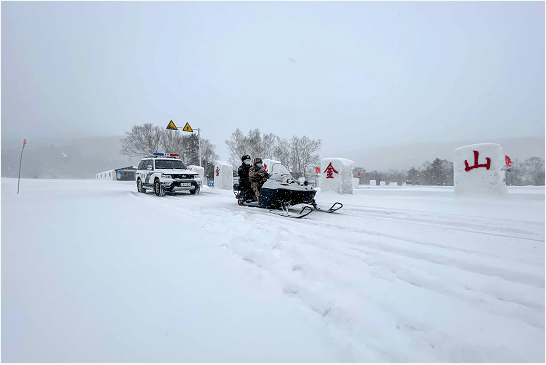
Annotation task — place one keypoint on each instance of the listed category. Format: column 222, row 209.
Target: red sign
column 508, row 162
column 317, row 170
column 329, row 171
column 359, row 174
column 217, row 171
column 366, row 175
column 476, row 155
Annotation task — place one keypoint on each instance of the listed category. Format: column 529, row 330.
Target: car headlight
column 166, row 176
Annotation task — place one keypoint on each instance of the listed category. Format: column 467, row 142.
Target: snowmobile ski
column 284, row 212
column 336, row 206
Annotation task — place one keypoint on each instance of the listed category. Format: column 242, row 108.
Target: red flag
column 359, row 174
column 366, row 175
column 317, row 170
column 25, row 142
column 508, row 162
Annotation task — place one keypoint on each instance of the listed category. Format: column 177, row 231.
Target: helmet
column 245, row 157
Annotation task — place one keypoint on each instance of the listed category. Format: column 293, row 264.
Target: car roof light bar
column 166, row 154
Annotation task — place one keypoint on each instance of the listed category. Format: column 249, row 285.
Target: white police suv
column 164, row 173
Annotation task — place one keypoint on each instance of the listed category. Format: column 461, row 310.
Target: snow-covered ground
column 93, row 271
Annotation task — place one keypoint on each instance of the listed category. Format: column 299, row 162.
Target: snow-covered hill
column 93, row 271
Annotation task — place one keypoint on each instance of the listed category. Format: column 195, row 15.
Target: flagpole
column 20, row 162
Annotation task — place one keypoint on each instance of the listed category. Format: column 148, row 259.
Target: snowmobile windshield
column 279, row 170
column 169, row 164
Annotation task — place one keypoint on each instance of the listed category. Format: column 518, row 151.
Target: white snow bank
column 478, row 170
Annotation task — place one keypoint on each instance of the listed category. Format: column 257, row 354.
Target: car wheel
column 158, row 189
column 140, row 188
column 195, row 191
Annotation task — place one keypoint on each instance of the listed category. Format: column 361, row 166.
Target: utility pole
column 199, row 137
column 20, row 162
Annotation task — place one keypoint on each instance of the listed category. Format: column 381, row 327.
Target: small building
column 121, row 174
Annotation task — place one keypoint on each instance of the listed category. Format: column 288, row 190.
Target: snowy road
column 94, row 271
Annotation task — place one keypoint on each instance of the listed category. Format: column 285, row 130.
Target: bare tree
column 146, row 139
column 142, row 140
column 208, row 156
column 237, row 145
column 281, row 152
column 303, row 156
column 173, row 142
column 299, row 155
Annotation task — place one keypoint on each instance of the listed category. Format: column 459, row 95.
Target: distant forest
column 440, row 172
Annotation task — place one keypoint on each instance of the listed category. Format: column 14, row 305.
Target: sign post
column 20, row 162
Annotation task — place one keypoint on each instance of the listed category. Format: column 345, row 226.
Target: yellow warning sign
column 172, row 126
column 187, row 128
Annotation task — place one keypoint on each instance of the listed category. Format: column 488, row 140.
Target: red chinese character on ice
column 217, row 171
column 265, row 167
column 329, row 171
column 476, row 154
column 317, row 170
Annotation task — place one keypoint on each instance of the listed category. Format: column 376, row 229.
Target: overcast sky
column 352, row 74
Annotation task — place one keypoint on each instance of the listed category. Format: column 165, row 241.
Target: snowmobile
column 280, row 193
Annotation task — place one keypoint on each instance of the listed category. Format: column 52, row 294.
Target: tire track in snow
column 372, row 253
column 446, row 225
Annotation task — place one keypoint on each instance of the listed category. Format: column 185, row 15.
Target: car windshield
column 280, row 171
column 169, row 164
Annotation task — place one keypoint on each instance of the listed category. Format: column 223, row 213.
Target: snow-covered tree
column 413, row 176
column 534, row 170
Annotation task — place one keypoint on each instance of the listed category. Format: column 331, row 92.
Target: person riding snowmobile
column 258, row 176
column 244, row 183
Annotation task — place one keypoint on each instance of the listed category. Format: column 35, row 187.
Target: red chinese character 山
column 476, row 165
column 217, row 171
column 329, row 170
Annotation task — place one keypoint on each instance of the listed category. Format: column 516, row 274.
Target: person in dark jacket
column 244, row 182
column 258, row 176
